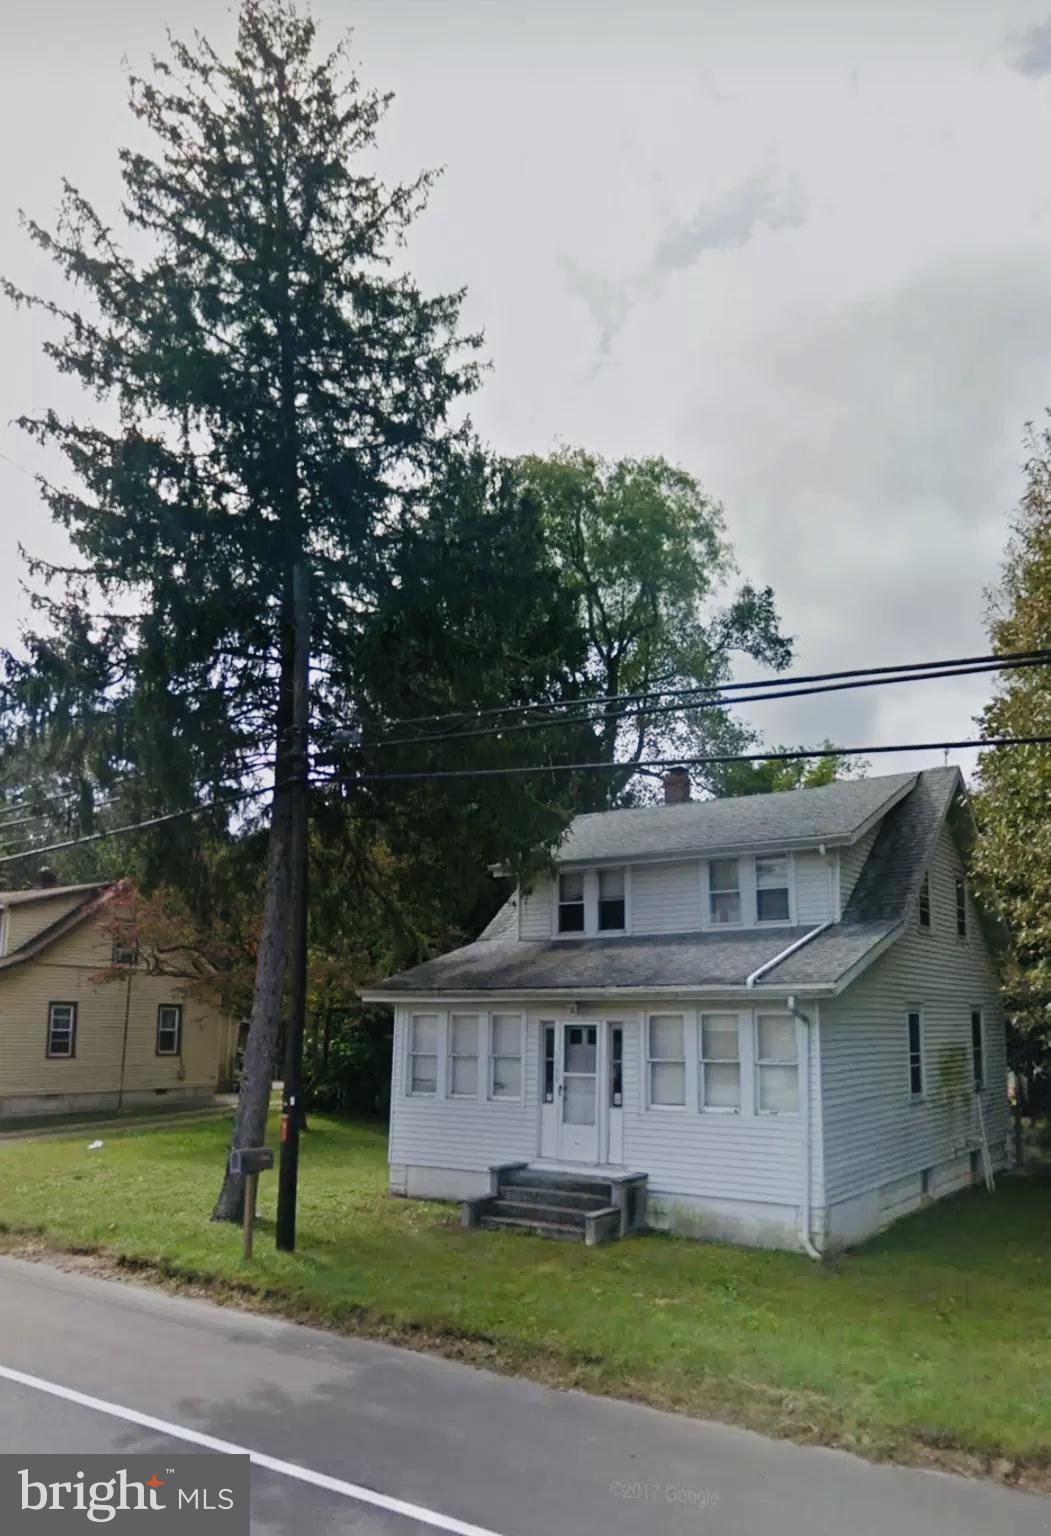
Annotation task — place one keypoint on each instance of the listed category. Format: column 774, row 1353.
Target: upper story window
column 724, row 891
column 610, row 899
column 961, row 907
column 124, row 953
column 571, row 903
column 771, row 889
column 925, row 902
column 593, row 901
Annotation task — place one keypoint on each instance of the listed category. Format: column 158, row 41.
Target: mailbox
column 246, row 1160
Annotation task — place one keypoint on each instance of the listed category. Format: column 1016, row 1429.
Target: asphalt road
column 357, row 1427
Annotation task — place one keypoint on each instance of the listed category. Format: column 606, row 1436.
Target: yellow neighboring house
column 72, row 1040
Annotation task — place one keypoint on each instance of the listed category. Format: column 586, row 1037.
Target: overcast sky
column 804, row 250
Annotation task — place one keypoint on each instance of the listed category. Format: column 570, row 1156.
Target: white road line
column 271, row 1463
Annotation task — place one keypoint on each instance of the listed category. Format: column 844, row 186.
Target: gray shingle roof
column 835, row 813
column 881, row 901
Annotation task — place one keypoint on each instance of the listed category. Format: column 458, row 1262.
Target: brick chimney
column 676, row 786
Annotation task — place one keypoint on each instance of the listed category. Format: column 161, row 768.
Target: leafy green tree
column 1013, row 853
column 764, row 778
column 277, row 394
column 645, row 552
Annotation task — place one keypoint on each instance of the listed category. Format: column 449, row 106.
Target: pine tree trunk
column 257, row 1072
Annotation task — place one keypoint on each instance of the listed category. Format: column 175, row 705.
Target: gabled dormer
column 753, row 863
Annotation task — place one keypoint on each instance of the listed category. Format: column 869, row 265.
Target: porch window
column 610, row 899
column 62, row 1029
column 914, row 1021
column 616, row 1066
column 771, row 889
column 423, row 1053
column 720, row 1084
column 724, row 891
column 777, row 1064
column 925, row 902
column 463, row 1055
column 978, row 1049
column 961, row 908
column 667, row 1060
column 169, row 1029
column 505, row 1080
column 571, row 903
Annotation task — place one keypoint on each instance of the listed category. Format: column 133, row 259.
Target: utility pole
column 291, row 1107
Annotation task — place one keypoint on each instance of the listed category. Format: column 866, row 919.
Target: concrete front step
column 565, row 1234
column 548, row 1213
column 549, row 1178
column 546, row 1194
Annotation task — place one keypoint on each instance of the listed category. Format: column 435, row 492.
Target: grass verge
column 930, row 1344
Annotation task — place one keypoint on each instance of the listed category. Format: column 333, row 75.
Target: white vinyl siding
column 813, row 888
column 666, row 898
column 874, row 1131
column 534, row 917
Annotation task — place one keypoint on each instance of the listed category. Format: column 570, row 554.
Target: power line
column 667, row 693
column 234, row 798
column 713, row 703
column 799, row 755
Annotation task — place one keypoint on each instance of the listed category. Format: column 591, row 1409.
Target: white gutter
column 768, row 965
column 804, row 1116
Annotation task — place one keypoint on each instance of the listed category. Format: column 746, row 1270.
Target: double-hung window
column 720, row 1081
column 776, row 1064
column 771, row 889
column 62, row 1029
column 610, row 900
column 724, row 891
column 571, row 902
column 914, row 1025
column 666, row 1048
column 925, row 902
column 505, row 1056
column 961, row 907
column 978, row 1049
column 463, row 1055
column 169, row 1029
column 423, row 1054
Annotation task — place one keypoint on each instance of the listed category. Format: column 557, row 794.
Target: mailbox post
column 248, row 1163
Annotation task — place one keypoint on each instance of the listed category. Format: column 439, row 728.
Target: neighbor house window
column 915, row 1028
column 925, row 902
column 724, row 891
column 62, row 1029
column 124, row 953
column 169, row 1029
column 777, row 1064
column 771, row 889
column 978, row 1049
column 666, row 1038
column 463, row 1055
column 610, row 899
column 423, row 1053
column 720, row 1084
column 571, row 903
column 505, row 1080
column 961, row 908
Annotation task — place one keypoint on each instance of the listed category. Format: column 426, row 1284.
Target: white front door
column 573, row 1057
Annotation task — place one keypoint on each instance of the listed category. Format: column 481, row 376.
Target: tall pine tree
column 277, row 391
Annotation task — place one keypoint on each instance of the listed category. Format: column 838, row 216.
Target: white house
column 772, row 1019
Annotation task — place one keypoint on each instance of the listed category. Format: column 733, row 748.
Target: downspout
column 804, row 1112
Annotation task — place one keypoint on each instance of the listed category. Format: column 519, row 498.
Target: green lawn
column 932, row 1342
